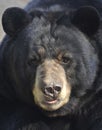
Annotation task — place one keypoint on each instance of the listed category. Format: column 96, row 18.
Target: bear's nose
column 53, row 90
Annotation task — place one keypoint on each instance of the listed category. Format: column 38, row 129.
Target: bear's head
column 49, row 58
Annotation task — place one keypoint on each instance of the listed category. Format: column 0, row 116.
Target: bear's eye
column 65, row 58
column 34, row 59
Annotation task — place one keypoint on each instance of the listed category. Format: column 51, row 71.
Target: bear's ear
column 14, row 19
column 87, row 19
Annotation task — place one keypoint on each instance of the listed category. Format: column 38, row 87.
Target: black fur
column 54, row 25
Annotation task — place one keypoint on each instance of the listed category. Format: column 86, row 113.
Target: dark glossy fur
column 17, row 108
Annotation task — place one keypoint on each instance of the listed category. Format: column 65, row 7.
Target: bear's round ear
column 14, row 19
column 87, row 19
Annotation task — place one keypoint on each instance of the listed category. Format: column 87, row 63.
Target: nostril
column 57, row 88
column 53, row 90
column 49, row 90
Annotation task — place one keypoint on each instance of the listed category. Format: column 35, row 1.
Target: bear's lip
column 51, row 102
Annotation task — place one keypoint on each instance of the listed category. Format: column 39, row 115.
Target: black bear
column 50, row 66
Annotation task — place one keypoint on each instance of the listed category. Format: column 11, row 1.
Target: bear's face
column 51, row 65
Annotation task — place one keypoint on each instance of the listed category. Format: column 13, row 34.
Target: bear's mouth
column 51, row 102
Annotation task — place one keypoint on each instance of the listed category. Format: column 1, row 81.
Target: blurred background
column 9, row 3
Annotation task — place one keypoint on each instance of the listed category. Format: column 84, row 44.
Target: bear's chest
column 58, row 124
